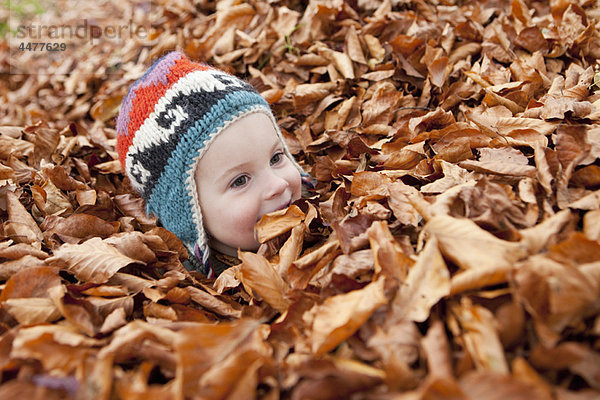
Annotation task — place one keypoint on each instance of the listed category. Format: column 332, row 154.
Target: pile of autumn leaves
column 451, row 248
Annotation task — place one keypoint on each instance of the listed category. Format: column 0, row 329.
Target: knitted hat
column 167, row 122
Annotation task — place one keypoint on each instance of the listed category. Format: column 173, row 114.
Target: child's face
column 243, row 175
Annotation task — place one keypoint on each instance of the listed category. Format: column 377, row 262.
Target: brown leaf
column 133, row 245
column 77, row 228
column 340, row 316
column 212, row 303
column 8, row 268
column 333, row 378
column 556, row 294
column 260, row 276
column 388, row 256
column 57, row 347
column 378, row 110
column 86, row 197
column 577, row 248
column 109, row 167
column 365, row 183
column 227, row 279
column 31, row 282
column 153, row 343
column 480, row 337
column 32, row 311
column 133, row 206
column 240, row 369
column 311, row 92
column 93, row 261
column 290, row 250
column 80, row 313
column 61, row 179
column 106, row 108
column 20, row 226
column 495, row 386
column 33, row 389
column 453, row 175
column 46, row 141
column 105, row 306
column 578, row 357
column 353, row 46
column 200, row 346
column 427, row 282
column 538, row 237
column 439, row 70
column 343, row 63
column 471, row 247
column 531, row 39
column 435, row 345
column 526, row 373
column 172, row 241
column 397, row 343
column 17, row 147
column 591, row 225
column 54, row 201
column 310, row 258
column 19, row 250
column 375, row 48
column 499, row 167
column 402, row 202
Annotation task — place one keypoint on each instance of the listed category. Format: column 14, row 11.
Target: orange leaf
column 340, row 316
column 274, row 224
column 259, row 275
column 199, row 346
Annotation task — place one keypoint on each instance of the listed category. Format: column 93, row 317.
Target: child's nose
column 276, row 185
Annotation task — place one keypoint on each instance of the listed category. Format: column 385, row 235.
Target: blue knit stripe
column 172, row 198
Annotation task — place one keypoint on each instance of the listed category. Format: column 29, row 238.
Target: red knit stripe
column 146, row 98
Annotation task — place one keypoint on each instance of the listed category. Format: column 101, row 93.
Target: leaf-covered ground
column 451, row 248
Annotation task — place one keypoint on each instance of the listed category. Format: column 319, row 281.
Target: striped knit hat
column 167, row 122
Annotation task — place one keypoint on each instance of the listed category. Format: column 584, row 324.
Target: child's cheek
column 243, row 214
column 297, row 186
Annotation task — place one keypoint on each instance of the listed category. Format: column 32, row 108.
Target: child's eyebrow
column 235, row 168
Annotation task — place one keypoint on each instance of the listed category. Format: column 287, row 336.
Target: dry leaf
column 260, row 276
column 427, row 282
column 93, row 261
column 274, row 224
column 470, row 247
column 471, row 125
column 340, row 316
column 480, row 337
column 20, row 226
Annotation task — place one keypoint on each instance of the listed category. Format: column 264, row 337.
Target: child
column 204, row 151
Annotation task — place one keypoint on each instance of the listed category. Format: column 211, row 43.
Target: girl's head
column 204, row 151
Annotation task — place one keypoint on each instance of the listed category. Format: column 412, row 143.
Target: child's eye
column 276, row 158
column 239, row 181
